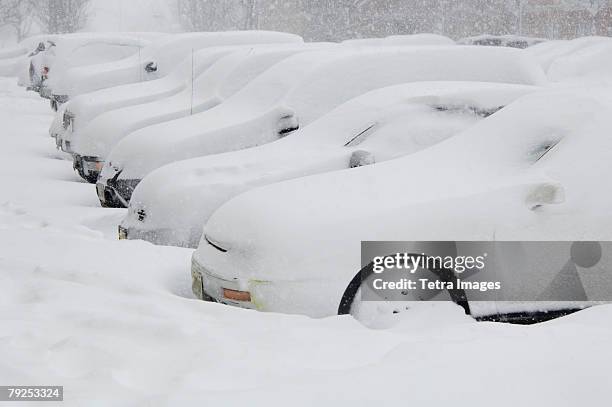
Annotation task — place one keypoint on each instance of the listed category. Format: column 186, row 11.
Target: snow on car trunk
column 300, row 89
column 158, row 59
column 200, row 91
column 482, row 184
column 171, row 205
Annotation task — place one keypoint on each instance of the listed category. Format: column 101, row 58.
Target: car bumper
column 209, row 287
column 313, row 298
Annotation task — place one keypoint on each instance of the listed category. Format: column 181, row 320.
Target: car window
column 479, row 111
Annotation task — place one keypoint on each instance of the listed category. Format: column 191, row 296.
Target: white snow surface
column 305, row 87
column 115, row 324
column 178, row 198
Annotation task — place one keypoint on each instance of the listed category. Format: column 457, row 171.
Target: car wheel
column 368, row 306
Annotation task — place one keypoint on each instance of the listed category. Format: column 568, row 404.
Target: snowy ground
column 114, row 322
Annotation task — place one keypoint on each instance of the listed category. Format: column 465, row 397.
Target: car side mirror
column 287, row 124
column 547, row 193
column 151, row 67
column 359, row 158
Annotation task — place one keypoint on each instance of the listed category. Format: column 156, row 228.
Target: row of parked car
column 275, row 158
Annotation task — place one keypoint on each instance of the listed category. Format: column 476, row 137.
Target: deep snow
column 114, row 322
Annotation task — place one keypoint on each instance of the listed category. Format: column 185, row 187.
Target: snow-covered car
column 38, row 66
column 74, row 116
column 156, row 60
column 582, row 60
column 171, row 205
column 228, row 75
column 513, row 41
column 84, row 51
column 14, row 60
column 297, row 91
column 531, row 172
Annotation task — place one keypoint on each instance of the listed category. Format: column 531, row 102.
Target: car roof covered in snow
column 230, row 73
column 310, row 84
column 166, row 52
column 310, row 97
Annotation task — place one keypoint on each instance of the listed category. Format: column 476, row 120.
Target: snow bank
column 301, row 89
column 387, row 123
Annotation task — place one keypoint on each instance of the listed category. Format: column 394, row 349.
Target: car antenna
column 191, row 103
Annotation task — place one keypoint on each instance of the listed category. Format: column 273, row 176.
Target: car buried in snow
column 83, row 51
column 223, row 78
column 154, row 61
column 531, row 172
column 15, row 61
column 76, row 114
column 171, row 204
column 172, row 79
column 295, row 92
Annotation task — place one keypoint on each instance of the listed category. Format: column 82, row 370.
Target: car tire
column 350, row 303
